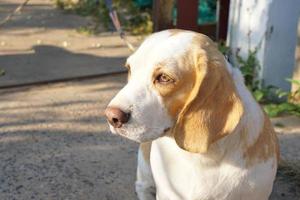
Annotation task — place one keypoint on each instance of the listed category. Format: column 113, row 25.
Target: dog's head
column 178, row 85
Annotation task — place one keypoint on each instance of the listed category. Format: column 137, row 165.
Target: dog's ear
column 213, row 109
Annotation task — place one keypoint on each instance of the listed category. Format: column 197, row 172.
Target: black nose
column 116, row 117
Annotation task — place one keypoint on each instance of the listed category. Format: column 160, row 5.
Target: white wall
column 297, row 66
column 271, row 27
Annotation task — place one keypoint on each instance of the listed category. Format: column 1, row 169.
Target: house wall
column 296, row 75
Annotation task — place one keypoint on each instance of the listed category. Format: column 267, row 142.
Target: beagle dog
column 202, row 135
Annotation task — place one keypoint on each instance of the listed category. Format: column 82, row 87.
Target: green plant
column 274, row 110
column 249, row 68
column 133, row 19
column 275, row 101
column 225, row 50
column 289, row 106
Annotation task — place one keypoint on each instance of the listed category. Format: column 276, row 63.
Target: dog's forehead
column 161, row 47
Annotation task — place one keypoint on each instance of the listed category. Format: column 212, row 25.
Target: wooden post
column 162, row 14
column 187, row 14
column 223, row 19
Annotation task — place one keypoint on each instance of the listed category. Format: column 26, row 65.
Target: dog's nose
column 116, row 117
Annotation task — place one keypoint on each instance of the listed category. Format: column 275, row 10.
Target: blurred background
column 61, row 63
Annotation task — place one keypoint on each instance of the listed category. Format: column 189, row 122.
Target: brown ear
column 213, row 109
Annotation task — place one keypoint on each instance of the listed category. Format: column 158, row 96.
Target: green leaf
column 280, row 93
column 297, row 113
column 272, row 110
column 286, row 107
column 297, row 82
column 258, row 95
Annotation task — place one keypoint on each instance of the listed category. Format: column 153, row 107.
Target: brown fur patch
column 146, row 149
column 266, row 145
column 175, row 94
column 205, row 102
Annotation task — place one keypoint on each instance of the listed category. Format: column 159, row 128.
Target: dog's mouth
column 166, row 130
column 140, row 134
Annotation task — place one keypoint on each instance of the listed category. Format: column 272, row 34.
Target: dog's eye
column 164, row 79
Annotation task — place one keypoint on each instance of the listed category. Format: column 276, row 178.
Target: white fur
column 146, row 121
column 149, row 118
column 144, row 186
column 217, row 175
column 182, row 175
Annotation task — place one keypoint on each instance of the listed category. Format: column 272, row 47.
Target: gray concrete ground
column 42, row 44
column 55, row 144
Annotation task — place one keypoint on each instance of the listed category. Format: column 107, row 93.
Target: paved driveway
column 42, row 44
column 55, row 144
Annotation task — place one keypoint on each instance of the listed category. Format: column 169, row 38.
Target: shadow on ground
column 54, row 144
column 38, row 14
column 45, row 63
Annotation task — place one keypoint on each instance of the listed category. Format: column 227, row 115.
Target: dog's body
column 228, row 171
column 203, row 136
